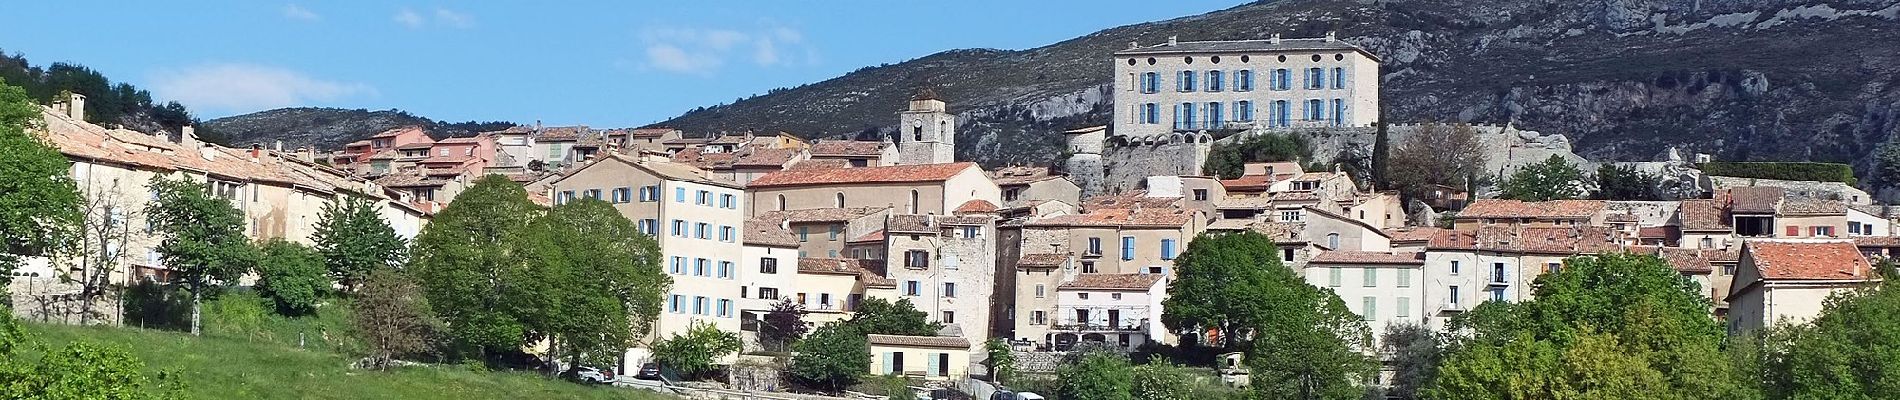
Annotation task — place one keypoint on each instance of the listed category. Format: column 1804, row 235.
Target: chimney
column 1172, row 40
column 257, row 150
column 188, row 138
column 1275, row 39
column 77, row 102
column 277, row 146
column 1329, row 36
column 307, row 155
column 1134, row 45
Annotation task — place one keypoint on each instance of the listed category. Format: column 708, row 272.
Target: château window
column 1214, row 115
column 1243, row 80
column 1185, row 81
column 1339, row 78
column 1150, row 82
column 1243, row 111
column 840, row 200
column 1150, row 113
column 1215, row 80
column 1282, row 79
column 1315, row 79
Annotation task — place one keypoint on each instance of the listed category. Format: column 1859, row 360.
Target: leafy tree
column 80, row 370
column 1435, row 154
column 693, row 352
column 464, row 260
column 393, row 316
column 1001, row 360
column 1552, row 179
column 1098, row 375
column 784, row 325
column 39, row 203
column 292, row 276
column 1851, row 350
column 1228, row 160
column 876, row 316
column 592, row 282
column 1612, row 324
column 1415, row 355
column 204, row 243
column 1625, row 182
column 831, row 358
column 1887, row 162
column 1218, row 283
column 354, row 240
column 1160, row 381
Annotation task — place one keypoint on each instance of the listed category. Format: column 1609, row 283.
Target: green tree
column 1435, row 154
column 1851, row 350
column 1381, row 154
column 39, row 203
column 1613, row 324
column 1887, row 162
column 876, row 316
column 1219, row 283
column 593, row 281
column 693, row 352
column 464, row 260
column 392, row 316
column 292, row 276
column 783, row 325
column 1160, row 381
column 1228, row 160
column 1001, row 360
column 354, row 240
column 203, row 240
column 1415, row 354
column 1625, row 182
column 832, row 357
column 1097, row 376
column 1552, row 179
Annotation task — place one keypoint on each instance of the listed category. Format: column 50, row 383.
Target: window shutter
column 889, row 360
column 930, row 366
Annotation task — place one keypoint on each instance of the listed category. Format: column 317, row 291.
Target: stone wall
column 1129, row 162
column 50, row 300
column 1808, row 189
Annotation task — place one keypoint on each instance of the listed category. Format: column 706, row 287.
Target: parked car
column 1008, row 395
column 589, row 375
column 648, row 371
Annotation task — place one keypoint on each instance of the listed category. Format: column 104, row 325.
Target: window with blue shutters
column 1280, row 113
column 1177, row 117
column 1339, row 78
column 930, row 364
column 1243, row 80
column 1243, row 111
column 1150, row 82
column 1339, row 112
column 1214, row 115
column 1187, row 116
column 1315, row 78
column 1151, row 113
column 1215, row 79
column 1185, row 82
column 1128, row 247
column 679, row 195
column 1282, row 79
column 673, row 304
column 1167, row 249
column 1314, row 110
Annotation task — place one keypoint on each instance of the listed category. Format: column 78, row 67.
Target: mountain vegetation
column 107, row 103
column 331, row 128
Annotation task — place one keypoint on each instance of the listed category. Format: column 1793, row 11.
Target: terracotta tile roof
column 1755, row 199
column 1722, row 256
column 820, row 214
column 650, row 132
column 409, row 180
column 831, row 266
column 851, row 148
column 1295, row 196
column 1682, row 260
column 412, row 146
column 1810, row 207
column 393, row 132
column 1808, row 260
column 1016, row 176
column 1138, row 282
column 890, row 174
column 1042, row 260
column 1416, row 234
column 976, row 206
column 1126, row 217
column 874, row 236
column 359, row 143
column 464, row 139
column 820, row 163
column 965, row 220
column 1253, row 183
column 947, row 342
column 1546, row 240
column 1657, row 232
column 1878, row 241
column 1368, row 258
column 1703, row 215
column 768, row 233
column 1129, row 199
column 384, row 155
column 910, row 223
column 562, row 133
column 1501, row 208
column 728, row 139
column 765, row 157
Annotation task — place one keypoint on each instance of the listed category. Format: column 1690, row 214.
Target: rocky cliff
column 1623, row 79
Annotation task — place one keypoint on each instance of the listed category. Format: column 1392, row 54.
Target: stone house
column 946, row 265
column 768, row 269
column 855, row 153
column 910, row 189
column 831, row 288
column 829, row 232
column 931, row 358
column 1788, row 281
column 1025, row 185
column 1495, row 212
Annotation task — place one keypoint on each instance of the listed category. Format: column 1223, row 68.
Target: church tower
column 926, row 133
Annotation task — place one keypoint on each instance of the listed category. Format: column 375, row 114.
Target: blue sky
column 600, row 63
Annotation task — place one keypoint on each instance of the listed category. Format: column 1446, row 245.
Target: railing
column 1073, row 326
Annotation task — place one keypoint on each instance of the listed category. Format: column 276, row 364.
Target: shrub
column 1790, row 171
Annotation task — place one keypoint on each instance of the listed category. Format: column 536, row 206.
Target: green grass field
column 259, row 359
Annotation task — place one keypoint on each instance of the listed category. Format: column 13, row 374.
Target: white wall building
column 1122, row 310
column 1383, row 288
column 1192, row 86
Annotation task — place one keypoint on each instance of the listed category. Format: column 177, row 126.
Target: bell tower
column 926, row 132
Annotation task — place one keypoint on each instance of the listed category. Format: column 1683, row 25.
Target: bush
column 155, row 306
column 248, row 316
column 292, row 276
column 894, row 387
column 694, row 352
column 1790, row 171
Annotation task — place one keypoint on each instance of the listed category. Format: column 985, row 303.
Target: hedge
column 1791, row 171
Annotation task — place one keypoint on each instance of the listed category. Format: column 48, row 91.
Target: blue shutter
column 1167, row 249
column 888, row 361
column 930, row 366
column 679, row 195
column 1177, row 116
column 1128, row 248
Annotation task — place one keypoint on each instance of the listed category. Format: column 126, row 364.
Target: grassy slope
column 224, row 368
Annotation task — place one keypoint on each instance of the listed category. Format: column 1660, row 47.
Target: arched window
column 1332, row 241
column 913, row 201
column 781, row 202
column 917, row 133
column 840, row 198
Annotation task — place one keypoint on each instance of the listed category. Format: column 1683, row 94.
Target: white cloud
column 299, row 13
column 409, row 18
column 440, row 17
column 702, row 51
column 240, row 87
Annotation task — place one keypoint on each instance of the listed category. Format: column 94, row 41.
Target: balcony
column 1451, row 307
column 1073, row 326
column 1497, row 280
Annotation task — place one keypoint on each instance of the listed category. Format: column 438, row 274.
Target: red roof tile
column 1755, row 199
column 1808, row 260
column 853, row 148
column 1042, row 260
column 1502, row 208
column 1368, row 258
column 890, row 174
column 1703, row 215
column 976, row 206
column 1417, row 234
column 768, row 233
column 947, row 342
column 1137, row 282
column 1148, row 217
